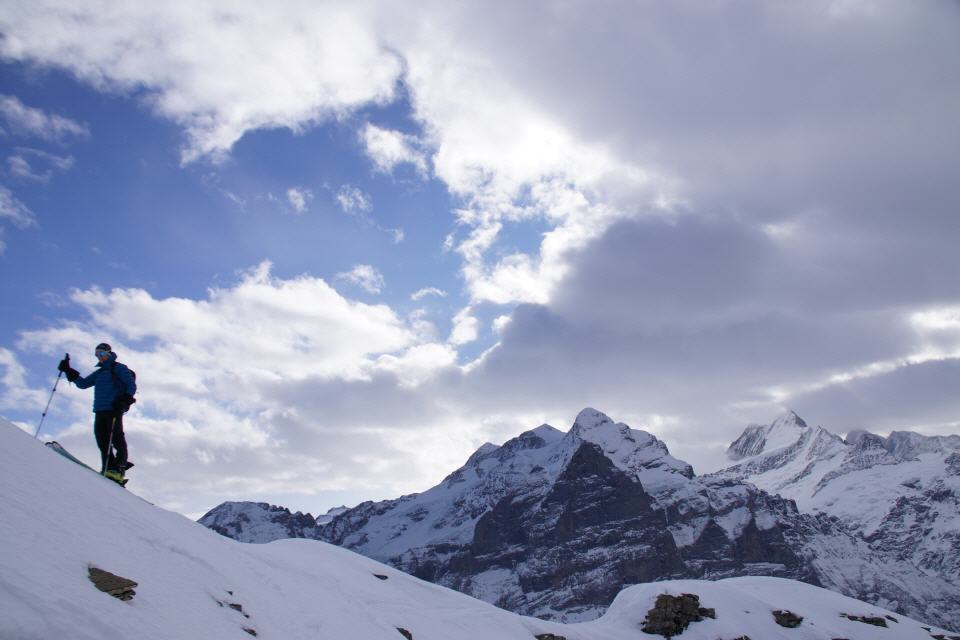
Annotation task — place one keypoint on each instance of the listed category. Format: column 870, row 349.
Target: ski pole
column 106, row 458
column 50, row 399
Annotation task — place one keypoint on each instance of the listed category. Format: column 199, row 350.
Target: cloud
column 388, row 148
column 365, row 277
column 465, row 327
column 359, row 204
column 331, row 60
column 507, row 156
column 13, row 210
column 427, row 291
column 15, row 390
column 32, row 122
column 268, row 385
column 713, row 325
column 298, row 198
column 20, row 165
column 351, row 199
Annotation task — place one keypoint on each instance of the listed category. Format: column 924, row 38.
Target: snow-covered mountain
column 554, row 524
column 901, row 493
column 68, row 541
column 262, row 522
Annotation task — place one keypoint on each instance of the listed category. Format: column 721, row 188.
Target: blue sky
column 127, row 213
column 343, row 246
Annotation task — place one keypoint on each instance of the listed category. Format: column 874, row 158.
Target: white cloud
column 13, row 210
column 425, row 329
column 352, row 199
column 500, row 324
column 428, row 291
column 302, row 321
column 20, row 168
column 15, row 391
column 20, row 165
column 298, row 198
column 493, row 145
column 465, row 327
column 265, row 387
column 33, row 122
column 388, row 148
column 365, row 277
column 420, row 363
column 212, row 68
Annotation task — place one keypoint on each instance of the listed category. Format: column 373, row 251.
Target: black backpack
column 123, row 402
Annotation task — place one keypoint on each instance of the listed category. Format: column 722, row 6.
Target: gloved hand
column 122, row 403
column 64, row 366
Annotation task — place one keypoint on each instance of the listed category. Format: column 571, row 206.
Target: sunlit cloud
column 389, row 148
column 364, row 276
column 427, row 291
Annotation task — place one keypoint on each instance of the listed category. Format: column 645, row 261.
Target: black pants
column 102, row 424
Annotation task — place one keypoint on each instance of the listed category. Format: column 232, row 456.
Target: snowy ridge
column 900, row 493
column 192, row 583
column 554, row 524
column 259, row 522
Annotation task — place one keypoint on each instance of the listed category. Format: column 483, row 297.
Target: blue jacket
column 107, row 387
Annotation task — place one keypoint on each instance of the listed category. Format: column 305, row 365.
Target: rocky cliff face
column 554, row 524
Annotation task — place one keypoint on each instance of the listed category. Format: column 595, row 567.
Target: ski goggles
column 101, row 353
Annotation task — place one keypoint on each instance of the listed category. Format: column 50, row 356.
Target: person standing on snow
column 113, row 387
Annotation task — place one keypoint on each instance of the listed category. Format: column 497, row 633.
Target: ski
column 56, row 446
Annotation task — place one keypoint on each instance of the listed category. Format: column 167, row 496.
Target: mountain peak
column 486, row 449
column 597, row 427
column 757, row 439
column 854, row 436
column 789, row 419
column 546, row 430
column 590, row 418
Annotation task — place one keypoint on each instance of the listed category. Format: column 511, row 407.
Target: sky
column 345, row 244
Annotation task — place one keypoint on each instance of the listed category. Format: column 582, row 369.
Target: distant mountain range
column 555, row 524
column 901, row 493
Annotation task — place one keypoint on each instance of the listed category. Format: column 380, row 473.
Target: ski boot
column 116, row 476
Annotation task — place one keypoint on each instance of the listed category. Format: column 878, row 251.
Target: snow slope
column 188, row 577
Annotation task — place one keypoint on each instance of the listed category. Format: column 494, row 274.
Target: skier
column 114, row 385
